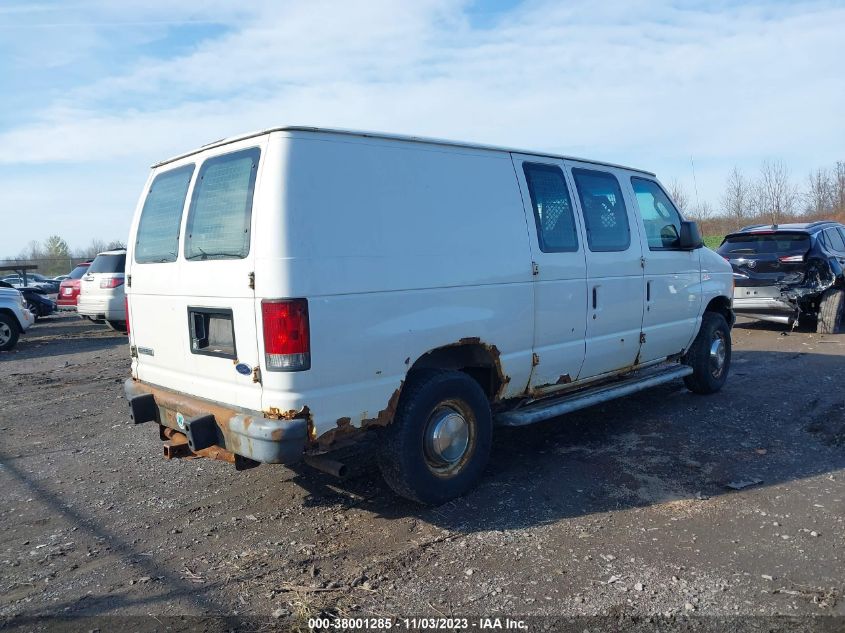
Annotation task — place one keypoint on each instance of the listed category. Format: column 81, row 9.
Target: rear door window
column 108, row 264
column 660, row 217
column 157, row 240
column 556, row 230
column 78, row 272
column 221, row 207
column 605, row 216
column 765, row 243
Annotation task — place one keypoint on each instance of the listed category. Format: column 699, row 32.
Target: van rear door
column 191, row 298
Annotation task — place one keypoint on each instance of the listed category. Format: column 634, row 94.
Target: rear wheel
column 710, row 355
column 9, row 332
column 439, row 441
column 34, row 308
column 831, row 310
column 117, row 326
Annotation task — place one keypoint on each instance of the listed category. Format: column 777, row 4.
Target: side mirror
column 690, row 238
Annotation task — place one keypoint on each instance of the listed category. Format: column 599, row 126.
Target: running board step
column 553, row 407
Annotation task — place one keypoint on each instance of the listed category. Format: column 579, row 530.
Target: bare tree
column 838, row 184
column 678, row 195
column 702, row 212
column 737, row 199
column 819, row 197
column 90, row 251
column 775, row 195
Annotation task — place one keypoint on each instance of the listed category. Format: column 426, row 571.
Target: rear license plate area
column 212, row 332
column 759, row 292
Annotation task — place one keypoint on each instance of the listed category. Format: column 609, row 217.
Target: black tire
column 10, row 331
column 409, row 463
column 831, row 309
column 708, row 374
column 117, row 326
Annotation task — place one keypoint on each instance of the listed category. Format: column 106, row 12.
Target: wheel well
column 722, row 305
column 478, row 360
column 12, row 316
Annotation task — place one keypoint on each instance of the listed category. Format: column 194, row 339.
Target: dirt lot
column 621, row 509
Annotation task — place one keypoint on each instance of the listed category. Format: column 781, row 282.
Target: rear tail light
column 111, row 282
column 791, row 259
column 126, row 309
column 287, row 341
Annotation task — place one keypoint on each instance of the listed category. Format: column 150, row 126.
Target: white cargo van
column 290, row 290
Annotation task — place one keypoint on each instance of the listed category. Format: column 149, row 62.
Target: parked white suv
column 101, row 290
column 14, row 318
column 292, row 289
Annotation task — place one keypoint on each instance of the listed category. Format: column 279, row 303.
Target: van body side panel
column 400, row 249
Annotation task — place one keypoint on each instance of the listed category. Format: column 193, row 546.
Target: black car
column 36, row 301
column 789, row 271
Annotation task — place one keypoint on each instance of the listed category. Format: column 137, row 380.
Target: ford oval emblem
column 244, row 369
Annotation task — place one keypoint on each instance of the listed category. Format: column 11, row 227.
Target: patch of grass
column 713, row 241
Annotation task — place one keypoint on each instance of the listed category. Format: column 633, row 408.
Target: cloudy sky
column 94, row 91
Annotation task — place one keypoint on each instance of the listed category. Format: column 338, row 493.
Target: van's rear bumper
column 240, row 431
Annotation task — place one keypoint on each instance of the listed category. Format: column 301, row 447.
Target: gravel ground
column 623, row 509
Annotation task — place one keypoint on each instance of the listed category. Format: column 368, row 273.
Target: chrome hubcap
column 447, row 436
column 5, row 333
column 718, row 354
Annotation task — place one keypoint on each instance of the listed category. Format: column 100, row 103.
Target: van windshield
column 108, row 264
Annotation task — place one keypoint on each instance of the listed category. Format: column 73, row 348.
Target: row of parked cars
column 93, row 289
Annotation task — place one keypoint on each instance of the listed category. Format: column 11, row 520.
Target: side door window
column 834, row 238
column 556, row 229
column 605, row 215
column 660, row 217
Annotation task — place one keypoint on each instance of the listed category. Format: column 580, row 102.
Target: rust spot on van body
column 346, row 433
column 502, row 379
column 564, row 380
column 385, row 416
column 274, row 413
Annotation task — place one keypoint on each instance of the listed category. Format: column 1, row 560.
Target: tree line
column 54, row 257
column 769, row 197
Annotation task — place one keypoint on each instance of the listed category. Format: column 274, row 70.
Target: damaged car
column 789, row 272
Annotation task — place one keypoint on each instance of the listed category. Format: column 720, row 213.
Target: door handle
column 648, row 291
column 595, row 297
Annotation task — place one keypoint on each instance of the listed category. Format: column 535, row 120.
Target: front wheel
column 9, row 332
column 710, row 355
column 439, row 442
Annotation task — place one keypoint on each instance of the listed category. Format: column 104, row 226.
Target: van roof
column 394, row 137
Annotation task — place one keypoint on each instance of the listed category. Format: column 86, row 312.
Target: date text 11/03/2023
column 417, row 624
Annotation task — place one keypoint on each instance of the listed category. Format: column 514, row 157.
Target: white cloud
column 647, row 83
